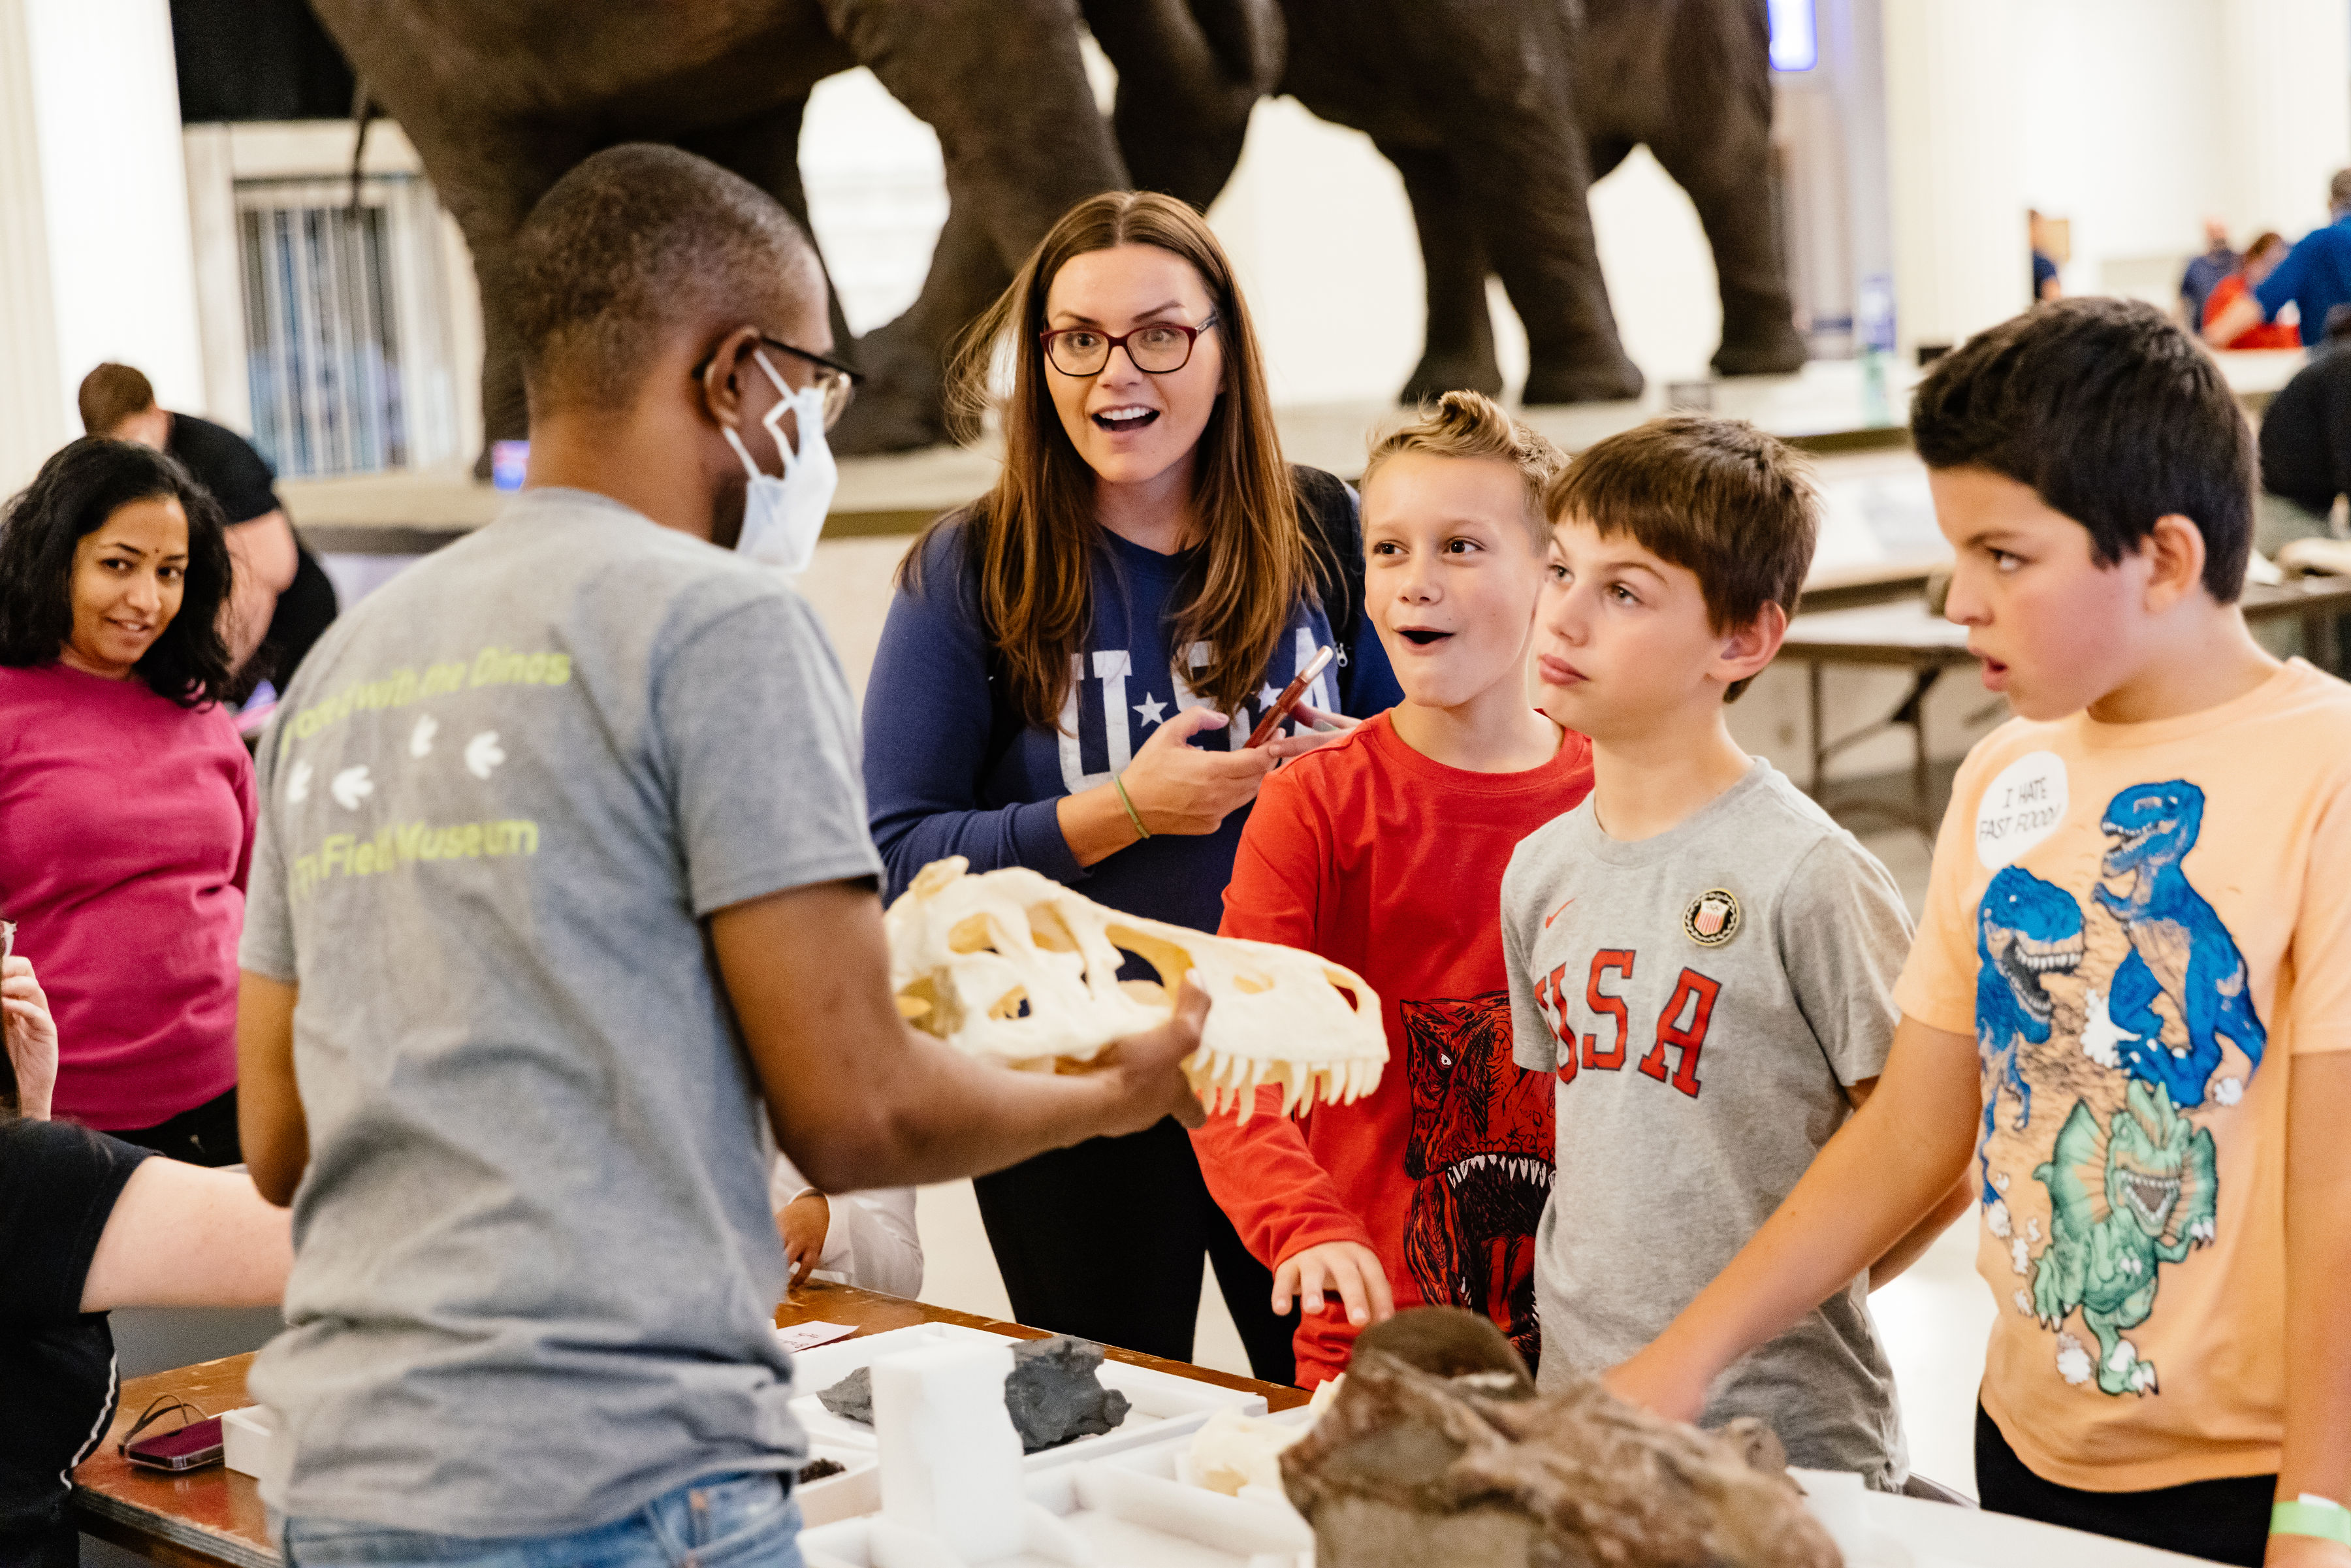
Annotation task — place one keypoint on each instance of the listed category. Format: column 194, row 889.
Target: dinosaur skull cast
column 1011, row 965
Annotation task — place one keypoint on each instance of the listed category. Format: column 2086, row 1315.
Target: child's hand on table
column 803, row 1224
column 1648, row 1380
column 30, row 1036
column 2305, row 1552
column 1349, row 1268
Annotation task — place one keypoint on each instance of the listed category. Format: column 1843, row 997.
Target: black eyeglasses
column 836, row 380
column 1159, row 348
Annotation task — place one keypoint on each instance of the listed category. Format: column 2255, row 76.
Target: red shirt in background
column 1375, row 857
column 126, row 831
column 2268, row 335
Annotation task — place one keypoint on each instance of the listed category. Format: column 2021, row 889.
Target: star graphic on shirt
column 1266, row 696
column 1150, row 709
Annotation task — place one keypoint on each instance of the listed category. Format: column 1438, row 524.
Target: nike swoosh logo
column 1555, row 914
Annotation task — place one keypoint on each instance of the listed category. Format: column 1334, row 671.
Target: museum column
column 1961, row 259
column 2287, row 67
column 95, row 257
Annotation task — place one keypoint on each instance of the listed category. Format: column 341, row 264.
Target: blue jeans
column 745, row 1521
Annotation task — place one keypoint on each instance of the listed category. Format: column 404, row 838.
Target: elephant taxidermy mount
column 1498, row 114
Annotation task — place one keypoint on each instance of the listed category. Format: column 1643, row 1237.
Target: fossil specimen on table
column 1439, row 1453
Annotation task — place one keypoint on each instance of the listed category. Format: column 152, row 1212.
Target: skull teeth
column 1231, row 1083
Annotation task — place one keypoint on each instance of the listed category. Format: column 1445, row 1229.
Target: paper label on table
column 808, row 1336
column 2020, row 808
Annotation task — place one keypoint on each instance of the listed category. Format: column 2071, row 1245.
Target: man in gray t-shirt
column 1706, row 996
column 562, row 900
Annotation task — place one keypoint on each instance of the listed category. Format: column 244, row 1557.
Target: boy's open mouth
column 1118, row 420
column 1421, row 636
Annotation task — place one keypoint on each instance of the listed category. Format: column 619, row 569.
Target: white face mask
column 782, row 517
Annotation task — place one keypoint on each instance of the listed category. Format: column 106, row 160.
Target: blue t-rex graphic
column 2179, row 947
column 2025, row 929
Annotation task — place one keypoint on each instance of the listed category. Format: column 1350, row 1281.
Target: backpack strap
column 1333, row 525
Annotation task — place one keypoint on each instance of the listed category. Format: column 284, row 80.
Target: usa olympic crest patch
column 1712, row 917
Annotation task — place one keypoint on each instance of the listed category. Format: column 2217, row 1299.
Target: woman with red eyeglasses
column 1068, row 678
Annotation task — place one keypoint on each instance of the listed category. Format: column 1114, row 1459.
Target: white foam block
column 950, row 1459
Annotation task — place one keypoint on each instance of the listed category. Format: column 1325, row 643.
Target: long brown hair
column 1035, row 534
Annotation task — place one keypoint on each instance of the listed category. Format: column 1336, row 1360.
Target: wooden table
column 214, row 1518
column 1905, row 634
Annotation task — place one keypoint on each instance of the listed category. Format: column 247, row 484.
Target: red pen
column 1289, row 698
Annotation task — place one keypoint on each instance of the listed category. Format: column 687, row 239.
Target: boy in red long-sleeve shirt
column 1384, row 851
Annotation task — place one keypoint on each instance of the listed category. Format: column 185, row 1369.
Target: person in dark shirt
column 2204, row 272
column 89, row 1223
column 2316, row 276
column 284, row 598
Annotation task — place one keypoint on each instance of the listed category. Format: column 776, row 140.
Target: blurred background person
column 125, row 795
column 2205, row 272
column 862, row 1239
column 282, row 599
column 2316, row 276
column 2046, row 284
column 2261, row 258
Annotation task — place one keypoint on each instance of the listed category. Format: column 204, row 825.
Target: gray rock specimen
column 1054, row 1394
column 1439, row 1453
column 852, row 1398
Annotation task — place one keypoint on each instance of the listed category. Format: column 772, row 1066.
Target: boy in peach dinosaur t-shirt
column 2127, row 1018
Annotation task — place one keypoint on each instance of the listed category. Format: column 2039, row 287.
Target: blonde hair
column 1034, row 536
column 1471, row 424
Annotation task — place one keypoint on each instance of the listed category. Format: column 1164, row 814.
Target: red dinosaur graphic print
column 1481, row 1151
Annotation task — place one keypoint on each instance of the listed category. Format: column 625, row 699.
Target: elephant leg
column 489, row 177
column 1717, row 148
column 1004, row 85
column 1190, row 73
column 903, row 403
column 765, row 149
column 1457, row 351
column 1504, row 97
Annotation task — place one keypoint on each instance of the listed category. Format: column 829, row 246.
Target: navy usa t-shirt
column 948, row 771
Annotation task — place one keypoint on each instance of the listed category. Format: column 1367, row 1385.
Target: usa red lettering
column 1618, row 960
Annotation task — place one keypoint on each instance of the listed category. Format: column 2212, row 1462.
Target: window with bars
column 344, row 344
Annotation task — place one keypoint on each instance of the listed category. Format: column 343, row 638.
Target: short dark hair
column 1734, row 507
column 631, row 240
column 2112, row 415
column 80, row 487
column 111, row 394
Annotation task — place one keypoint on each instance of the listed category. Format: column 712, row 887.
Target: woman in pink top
column 126, row 798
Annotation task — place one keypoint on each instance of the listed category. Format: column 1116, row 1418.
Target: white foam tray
column 1130, row 1510
column 1160, row 1404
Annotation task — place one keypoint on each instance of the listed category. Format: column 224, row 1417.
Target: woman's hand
column 30, row 1036
column 1349, row 1268
column 804, row 1223
column 1326, row 727
column 1180, row 789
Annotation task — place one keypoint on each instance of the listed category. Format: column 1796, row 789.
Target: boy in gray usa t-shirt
column 1704, row 959
column 1704, row 997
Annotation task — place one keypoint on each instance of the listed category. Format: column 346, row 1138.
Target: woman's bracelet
column 1124, row 800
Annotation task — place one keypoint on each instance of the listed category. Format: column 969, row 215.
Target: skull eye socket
column 1339, row 983
column 1012, row 1004
column 1049, row 931
column 973, row 934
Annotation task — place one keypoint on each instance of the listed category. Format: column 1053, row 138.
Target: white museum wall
column 95, row 253
column 2139, row 118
